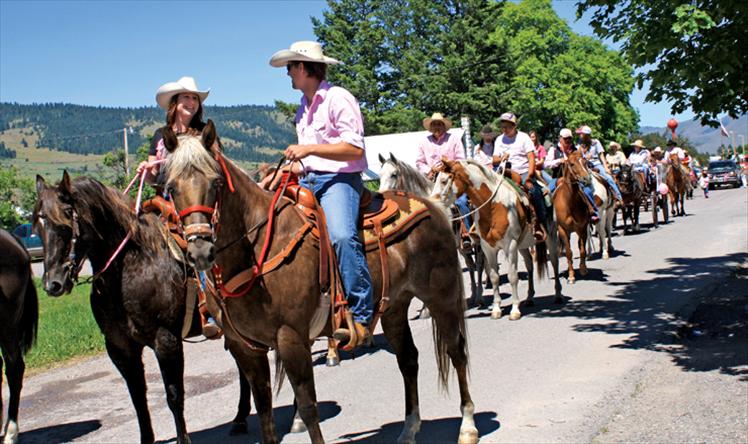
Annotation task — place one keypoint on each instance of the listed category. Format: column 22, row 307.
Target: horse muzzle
column 201, row 253
column 57, row 284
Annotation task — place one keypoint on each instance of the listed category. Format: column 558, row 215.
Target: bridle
column 448, row 187
column 573, row 178
column 73, row 264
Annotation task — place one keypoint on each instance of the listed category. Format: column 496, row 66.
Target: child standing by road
column 704, row 183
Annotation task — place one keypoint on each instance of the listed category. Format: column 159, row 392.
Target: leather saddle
column 383, row 219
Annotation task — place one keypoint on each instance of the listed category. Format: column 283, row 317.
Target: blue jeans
column 339, row 195
column 549, row 180
column 589, row 193
column 609, row 179
column 462, row 206
column 536, row 197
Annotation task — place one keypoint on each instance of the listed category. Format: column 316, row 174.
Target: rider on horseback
column 595, row 155
column 639, row 159
column 330, row 130
column 557, row 155
column 520, row 153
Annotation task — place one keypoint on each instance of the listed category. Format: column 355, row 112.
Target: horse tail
column 443, row 338
column 280, row 373
column 29, row 316
column 541, row 259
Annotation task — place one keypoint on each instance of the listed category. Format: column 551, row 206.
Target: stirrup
column 212, row 331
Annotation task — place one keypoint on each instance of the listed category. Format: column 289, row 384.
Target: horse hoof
column 496, row 314
column 606, row 256
column 530, row 303
column 238, row 428
column 425, row 314
column 571, row 281
column 298, row 426
column 514, row 316
column 583, row 271
column 11, row 433
column 468, row 436
column 558, row 300
column 332, row 362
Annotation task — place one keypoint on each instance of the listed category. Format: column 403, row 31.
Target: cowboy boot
column 210, row 328
column 350, row 338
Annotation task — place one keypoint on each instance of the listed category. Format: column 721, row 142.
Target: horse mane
column 490, row 176
column 191, row 156
column 410, row 179
column 95, row 201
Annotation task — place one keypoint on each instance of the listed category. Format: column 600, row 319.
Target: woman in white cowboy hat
column 183, row 102
column 639, row 158
column 330, row 130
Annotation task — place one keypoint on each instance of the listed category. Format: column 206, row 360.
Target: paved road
column 559, row 374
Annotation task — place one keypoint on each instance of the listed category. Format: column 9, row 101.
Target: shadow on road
column 59, row 433
column 433, row 431
column 644, row 311
column 283, row 419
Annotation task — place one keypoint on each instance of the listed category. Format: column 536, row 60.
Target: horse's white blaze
column 410, row 428
column 11, row 433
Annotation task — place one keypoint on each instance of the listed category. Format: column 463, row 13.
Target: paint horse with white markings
column 504, row 222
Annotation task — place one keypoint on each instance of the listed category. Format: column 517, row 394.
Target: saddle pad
column 407, row 211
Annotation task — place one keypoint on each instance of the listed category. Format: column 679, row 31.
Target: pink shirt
column 430, row 151
column 333, row 117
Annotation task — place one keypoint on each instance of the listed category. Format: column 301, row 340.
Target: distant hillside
column 706, row 138
column 249, row 133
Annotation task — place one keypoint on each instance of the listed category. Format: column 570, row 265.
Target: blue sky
column 117, row 53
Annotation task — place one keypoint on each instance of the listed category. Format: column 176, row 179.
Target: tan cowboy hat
column 304, row 51
column 615, row 145
column 638, row 143
column 183, row 85
column 436, row 117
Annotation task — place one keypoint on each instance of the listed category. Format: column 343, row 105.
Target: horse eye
column 170, row 190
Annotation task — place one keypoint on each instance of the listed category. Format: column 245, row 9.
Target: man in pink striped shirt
column 330, row 130
column 439, row 143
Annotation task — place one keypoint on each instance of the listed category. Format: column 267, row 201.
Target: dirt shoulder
column 696, row 389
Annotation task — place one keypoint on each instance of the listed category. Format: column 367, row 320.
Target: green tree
column 404, row 60
column 17, row 198
column 115, row 162
column 687, row 50
column 560, row 79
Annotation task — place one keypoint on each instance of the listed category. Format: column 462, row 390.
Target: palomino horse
column 572, row 213
column 281, row 310
column 677, row 183
column 137, row 301
column 19, row 315
column 633, row 192
column 503, row 221
column 398, row 175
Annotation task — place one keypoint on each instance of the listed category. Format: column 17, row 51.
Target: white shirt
column 640, row 158
column 594, row 152
column 518, row 147
column 677, row 151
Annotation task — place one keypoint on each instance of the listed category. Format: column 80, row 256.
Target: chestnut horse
column 138, row 301
column 279, row 310
column 503, row 221
column 19, row 316
column 572, row 213
column 677, row 183
column 633, row 192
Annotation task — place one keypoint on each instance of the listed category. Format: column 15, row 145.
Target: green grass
column 67, row 329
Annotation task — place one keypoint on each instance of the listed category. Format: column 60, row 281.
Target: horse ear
column 40, row 185
column 209, row 135
column 170, row 139
column 446, row 165
column 381, row 159
column 392, row 157
column 65, row 186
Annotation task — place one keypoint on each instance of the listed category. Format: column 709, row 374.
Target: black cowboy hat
column 488, row 131
column 671, row 142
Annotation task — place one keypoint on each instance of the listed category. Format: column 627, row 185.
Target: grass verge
column 67, row 329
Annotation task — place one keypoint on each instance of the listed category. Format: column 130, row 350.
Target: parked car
column 30, row 240
column 723, row 172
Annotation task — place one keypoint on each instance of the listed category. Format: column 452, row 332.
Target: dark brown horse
column 138, row 301
column 572, row 213
column 677, row 183
column 19, row 315
column 633, row 192
column 278, row 311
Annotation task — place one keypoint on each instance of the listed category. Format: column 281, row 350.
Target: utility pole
column 467, row 141
column 127, row 162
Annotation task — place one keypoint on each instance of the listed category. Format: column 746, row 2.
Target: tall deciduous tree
column 560, row 79
column 689, row 50
column 404, row 60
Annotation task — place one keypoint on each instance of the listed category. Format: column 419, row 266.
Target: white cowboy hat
column 183, row 85
column 436, row 117
column 304, row 51
column 638, row 143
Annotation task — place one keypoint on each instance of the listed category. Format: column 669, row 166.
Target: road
column 560, row 374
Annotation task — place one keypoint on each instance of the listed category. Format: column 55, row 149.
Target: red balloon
column 672, row 124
